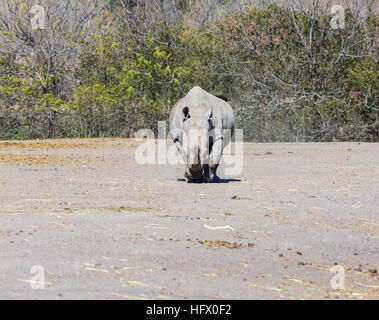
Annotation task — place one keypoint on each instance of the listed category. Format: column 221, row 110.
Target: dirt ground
column 104, row 227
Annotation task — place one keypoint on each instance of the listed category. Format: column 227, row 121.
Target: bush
column 290, row 77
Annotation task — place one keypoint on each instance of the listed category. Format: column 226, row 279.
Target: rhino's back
column 196, row 98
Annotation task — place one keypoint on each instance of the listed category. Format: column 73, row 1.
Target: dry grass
column 54, row 144
column 29, row 159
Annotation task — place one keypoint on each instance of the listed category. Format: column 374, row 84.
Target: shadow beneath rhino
column 213, row 181
column 225, row 180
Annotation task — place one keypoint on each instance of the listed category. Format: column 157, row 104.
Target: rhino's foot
column 213, row 175
column 212, row 178
column 194, row 177
column 215, row 178
column 187, row 175
column 203, row 178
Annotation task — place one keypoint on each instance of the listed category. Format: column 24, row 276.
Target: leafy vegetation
column 108, row 68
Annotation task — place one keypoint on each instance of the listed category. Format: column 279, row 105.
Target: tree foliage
column 108, row 68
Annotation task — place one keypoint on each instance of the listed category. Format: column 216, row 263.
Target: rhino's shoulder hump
column 196, row 89
column 197, row 93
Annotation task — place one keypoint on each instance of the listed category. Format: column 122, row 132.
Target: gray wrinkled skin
column 201, row 125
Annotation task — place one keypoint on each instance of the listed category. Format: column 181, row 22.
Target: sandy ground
column 103, row 227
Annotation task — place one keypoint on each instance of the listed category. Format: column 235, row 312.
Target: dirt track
column 103, row 227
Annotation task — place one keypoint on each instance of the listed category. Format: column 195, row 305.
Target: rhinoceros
column 201, row 125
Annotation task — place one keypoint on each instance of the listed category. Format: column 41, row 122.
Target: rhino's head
column 197, row 124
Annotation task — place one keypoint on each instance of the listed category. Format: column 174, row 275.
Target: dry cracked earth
column 104, row 227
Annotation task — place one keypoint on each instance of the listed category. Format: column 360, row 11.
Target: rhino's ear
column 186, row 114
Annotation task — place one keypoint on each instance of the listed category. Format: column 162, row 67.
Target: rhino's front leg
column 214, row 158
